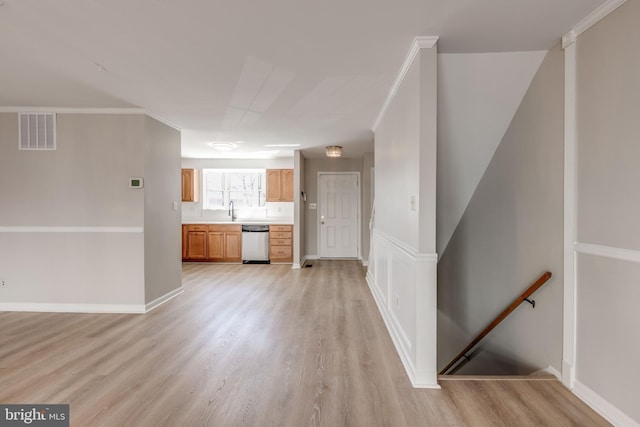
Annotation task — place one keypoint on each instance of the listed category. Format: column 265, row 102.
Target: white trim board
column 65, row 110
column 408, row 250
column 91, row 308
column 608, row 252
column 590, row 20
column 64, row 229
column 418, row 43
column 73, row 308
column 164, row 121
column 550, row 370
column 570, row 180
column 162, row 299
column 604, row 408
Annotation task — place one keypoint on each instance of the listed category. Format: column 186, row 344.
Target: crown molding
column 66, row 110
column 164, row 121
column 418, row 43
column 590, row 20
column 72, row 110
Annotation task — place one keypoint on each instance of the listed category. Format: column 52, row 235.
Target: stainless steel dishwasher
column 255, row 244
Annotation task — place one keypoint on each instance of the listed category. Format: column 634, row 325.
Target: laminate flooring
column 254, row 345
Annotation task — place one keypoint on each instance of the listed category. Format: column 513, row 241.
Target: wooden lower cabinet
column 281, row 243
column 214, row 242
column 233, row 247
column 185, row 236
column 197, row 245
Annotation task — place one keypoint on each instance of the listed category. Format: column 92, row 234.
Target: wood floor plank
column 254, row 345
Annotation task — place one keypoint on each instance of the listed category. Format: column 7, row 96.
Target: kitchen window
column 244, row 187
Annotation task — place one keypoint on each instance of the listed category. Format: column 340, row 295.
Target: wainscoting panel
column 403, row 284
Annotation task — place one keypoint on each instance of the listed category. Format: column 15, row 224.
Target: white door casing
column 339, row 216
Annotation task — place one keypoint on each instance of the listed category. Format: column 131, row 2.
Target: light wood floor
column 253, row 345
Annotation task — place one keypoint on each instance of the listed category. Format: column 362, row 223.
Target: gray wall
column 162, row 231
column 367, row 201
column 311, row 169
column 510, row 233
column 608, row 159
column 84, row 183
column 299, row 214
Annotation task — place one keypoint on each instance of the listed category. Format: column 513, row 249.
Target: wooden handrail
column 525, row 295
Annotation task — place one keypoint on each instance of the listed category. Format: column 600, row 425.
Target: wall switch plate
column 175, row 206
column 313, row 206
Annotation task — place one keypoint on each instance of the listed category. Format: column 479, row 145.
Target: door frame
column 358, row 216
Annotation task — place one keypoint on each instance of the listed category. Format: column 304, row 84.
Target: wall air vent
column 37, row 131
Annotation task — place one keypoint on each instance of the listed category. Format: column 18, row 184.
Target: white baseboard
column 604, row 408
column 297, row 266
column 164, row 298
column 311, row 257
column 567, row 374
column 90, row 308
column 73, row 308
column 549, row 370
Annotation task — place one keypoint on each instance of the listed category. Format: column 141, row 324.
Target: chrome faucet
column 232, row 212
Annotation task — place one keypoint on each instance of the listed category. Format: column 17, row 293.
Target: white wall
column 482, row 91
column 608, row 208
column 402, row 268
column 397, row 162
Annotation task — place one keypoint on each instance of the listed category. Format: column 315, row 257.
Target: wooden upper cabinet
column 287, row 185
column 279, row 185
column 190, row 185
column 274, row 183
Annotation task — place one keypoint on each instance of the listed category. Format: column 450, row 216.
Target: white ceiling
column 255, row 71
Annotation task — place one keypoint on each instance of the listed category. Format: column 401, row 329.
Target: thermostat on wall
column 136, row 182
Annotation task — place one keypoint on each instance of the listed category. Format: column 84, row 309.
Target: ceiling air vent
column 37, row 131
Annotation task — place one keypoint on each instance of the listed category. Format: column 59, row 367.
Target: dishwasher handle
column 255, row 228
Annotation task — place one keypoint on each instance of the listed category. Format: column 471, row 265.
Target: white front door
column 339, row 214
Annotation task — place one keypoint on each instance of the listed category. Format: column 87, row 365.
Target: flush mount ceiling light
column 222, row 146
column 333, row 151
